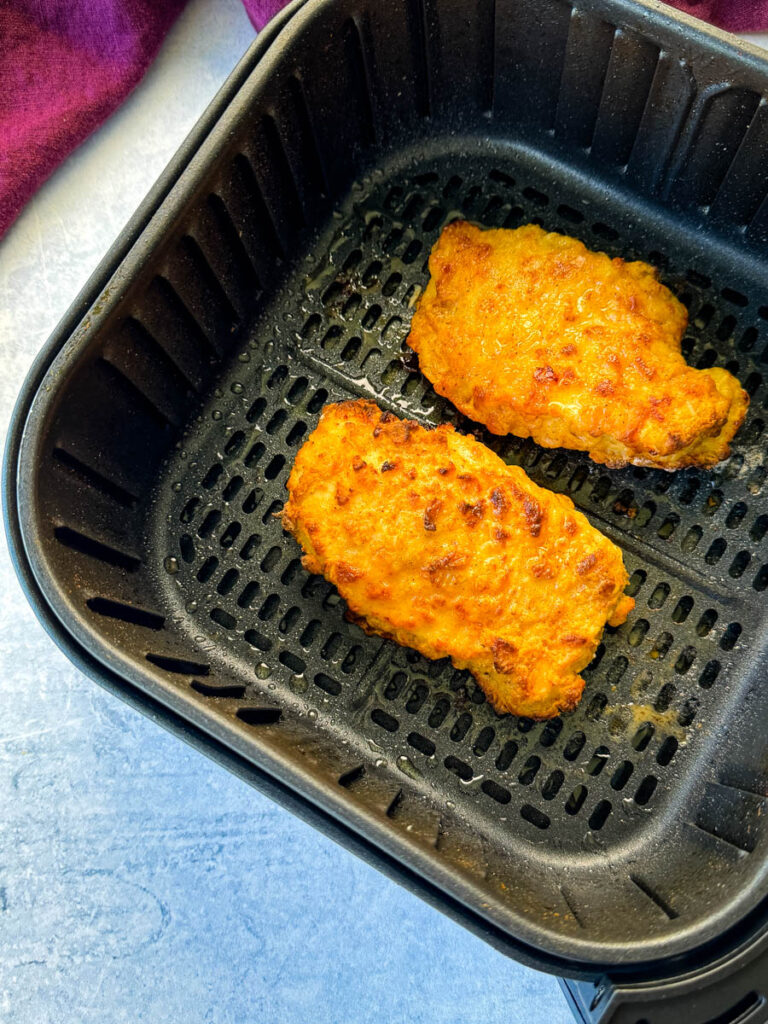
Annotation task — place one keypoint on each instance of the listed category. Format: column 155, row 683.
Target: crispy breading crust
column 435, row 543
column 533, row 334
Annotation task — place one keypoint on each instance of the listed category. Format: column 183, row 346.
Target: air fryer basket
column 281, row 273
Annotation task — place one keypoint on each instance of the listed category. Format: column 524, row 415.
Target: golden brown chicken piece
column 434, row 542
column 533, row 334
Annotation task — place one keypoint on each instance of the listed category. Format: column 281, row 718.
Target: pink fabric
column 732, row 15
column 65, row 65
column 260, row 11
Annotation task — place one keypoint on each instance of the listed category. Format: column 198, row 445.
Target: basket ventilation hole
column 253, row 500
column 332, row 687
column 646, row 790
column 207, row 569
column 461, row 727
column 739, row 564
column 659, row 595
column 293, row 662
column 458, row 767
column 249, row 593
column 575, row 801
column 598, row 761
column 421, row 743
column 643, row 736
column 179, row 666
column 209, row 524
column 270, row 607
column 259, row 716
column 730, row 636
column 622, row 775
column 530, row 770
column 574, row 746
column 385, row 721
column 682, row 609
column 600, row 815
column 550, row 732
column 691, row 539
column 85, row 545
column 760, row 581
column 258, row 640
column 348, row 779
column 227, row 582
column 230, row 535
column 709, row 674
column 484, row 740
column 667, row 751
column 495, row 791
column 553, row 784
column 715, row 551
column 506, row 755
column 232, row 489
column 248, row 549
column 125, row 613
column 233, row 692
column 439, row 712
column 188, row 512
column 223, row 618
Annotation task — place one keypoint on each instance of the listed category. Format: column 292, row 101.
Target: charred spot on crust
column 347, row 573
column 464, row 476
column 569, row 527
column 542, row 571
column 568, row 350
column 343, row 494
column 387, row 417
column 386, row 466
column 647, row 371
column 586, row 564
column 604, row 388
column 430, row 514
column 472, row 513
column 499, row 501
column 449, row 561
column 503, row 655
column 606, row 588
column 534, row 516
column 443, row 470
column 545, row 375
column 572, row 638
column 404, row 430
column 657, row 404
column 358, row 464
column 501, row 535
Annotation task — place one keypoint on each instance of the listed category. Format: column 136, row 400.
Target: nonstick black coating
column 280, row 273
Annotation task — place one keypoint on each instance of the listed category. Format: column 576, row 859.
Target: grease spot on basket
column 636, row 714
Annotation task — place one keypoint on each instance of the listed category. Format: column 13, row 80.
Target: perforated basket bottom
column 693, row 542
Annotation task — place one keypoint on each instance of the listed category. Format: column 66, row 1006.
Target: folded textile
column 65, row 65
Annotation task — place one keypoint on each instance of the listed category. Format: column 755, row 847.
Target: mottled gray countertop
column 138, row 881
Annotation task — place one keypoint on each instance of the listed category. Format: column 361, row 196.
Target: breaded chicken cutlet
column 533, row 334
column 434, row 542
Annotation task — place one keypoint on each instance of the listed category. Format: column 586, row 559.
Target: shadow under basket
column 275, row 268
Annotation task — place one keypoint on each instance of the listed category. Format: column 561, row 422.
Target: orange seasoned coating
column 531, row 333
column 434, row 542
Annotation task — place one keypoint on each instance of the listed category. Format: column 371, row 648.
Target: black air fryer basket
column 275, row 268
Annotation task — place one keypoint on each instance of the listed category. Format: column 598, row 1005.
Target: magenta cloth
column 260, row 11
column 732, row 15
column 65, row 65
